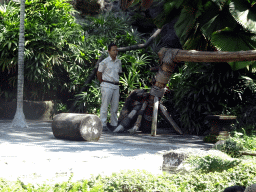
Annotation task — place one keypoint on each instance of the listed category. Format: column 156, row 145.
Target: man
column 108, row 76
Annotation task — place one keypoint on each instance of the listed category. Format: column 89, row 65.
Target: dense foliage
column 51, row 46
column 60, row 54
column 201, row 89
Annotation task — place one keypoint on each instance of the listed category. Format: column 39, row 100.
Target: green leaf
column 240, row 65
column 213, row 20
column 9, row 45
column 245, row 13
column 233, row 40
column 185, row 23
column 179, row 3
column 220, row 3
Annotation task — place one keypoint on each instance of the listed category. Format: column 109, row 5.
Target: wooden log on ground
column 75, row 126
column 138, row 122
column 127, row 120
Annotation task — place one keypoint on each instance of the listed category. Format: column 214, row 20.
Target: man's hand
column 99, row 76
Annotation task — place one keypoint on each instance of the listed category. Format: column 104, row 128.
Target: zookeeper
column 108, row 76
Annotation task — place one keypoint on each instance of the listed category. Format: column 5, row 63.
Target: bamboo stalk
column 138, row 122
column 170, row 119
column 214, row 56
column 130, row 116
column 154, row 118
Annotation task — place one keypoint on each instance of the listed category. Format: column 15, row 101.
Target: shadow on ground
column 39, row 134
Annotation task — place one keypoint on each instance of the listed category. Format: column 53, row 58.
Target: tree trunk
column 19, row 118
column 79, row 127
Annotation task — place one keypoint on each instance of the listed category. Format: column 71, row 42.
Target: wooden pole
column 214, row 56
column 170, row 119
column 154, row 116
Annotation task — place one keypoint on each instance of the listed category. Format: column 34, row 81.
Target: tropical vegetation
column 60, row 54
column 201, row 89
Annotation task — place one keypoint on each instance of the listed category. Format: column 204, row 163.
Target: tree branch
column 140, row 46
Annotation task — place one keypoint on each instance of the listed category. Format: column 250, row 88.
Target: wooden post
column 154, row 118
column 170, row 119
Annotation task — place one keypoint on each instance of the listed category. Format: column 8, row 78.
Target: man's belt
column 110, row 82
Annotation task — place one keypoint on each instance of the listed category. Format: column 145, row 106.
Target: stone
column 34, row 110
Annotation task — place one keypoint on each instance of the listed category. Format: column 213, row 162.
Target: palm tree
column 19, row 118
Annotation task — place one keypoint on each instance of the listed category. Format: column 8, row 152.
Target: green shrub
column 202, row 89
column 243, row 174
column 51, row 45
column 232, row 148
column 212, row 163
column 247, row 141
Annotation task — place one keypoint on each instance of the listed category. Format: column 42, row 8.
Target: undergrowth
column 235, row 173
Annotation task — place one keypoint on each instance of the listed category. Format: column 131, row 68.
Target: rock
column 74, row 126
column 168, row 35
column 155, row 9
column 174, row 160
column 88, row 7
column 219, row 144
column 35, row 110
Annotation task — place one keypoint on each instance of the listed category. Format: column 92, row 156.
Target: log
column 248, row 153
column 212, row 56
column 154, row 116
column 138, row 122
column 169, row 118
column 127, row 120
column 78, row 127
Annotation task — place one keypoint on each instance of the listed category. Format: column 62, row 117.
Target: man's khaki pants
column 109, row 96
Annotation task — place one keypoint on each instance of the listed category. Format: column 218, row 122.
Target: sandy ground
column 34, row 155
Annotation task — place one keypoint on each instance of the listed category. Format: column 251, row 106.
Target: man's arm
column 99, row 76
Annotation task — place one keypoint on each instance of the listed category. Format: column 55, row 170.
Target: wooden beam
column 214, row 56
